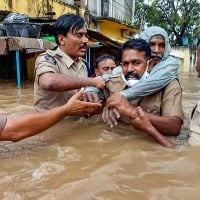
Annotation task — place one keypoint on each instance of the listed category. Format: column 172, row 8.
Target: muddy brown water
column 83, row 159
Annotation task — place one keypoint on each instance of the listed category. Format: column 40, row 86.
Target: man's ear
column 150, row 64
column 61, row 39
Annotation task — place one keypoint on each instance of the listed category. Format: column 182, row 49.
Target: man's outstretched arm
column 32, row 124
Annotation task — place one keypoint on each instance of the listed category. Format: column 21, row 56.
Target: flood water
column 84, row 160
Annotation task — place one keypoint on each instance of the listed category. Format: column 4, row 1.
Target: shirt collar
column 67, row 60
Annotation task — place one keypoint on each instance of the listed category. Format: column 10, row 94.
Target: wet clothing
column 3, row 120
column 194, row 138
column 55, row 61
column 161, row 74
column 113, row 79
column 166, row 102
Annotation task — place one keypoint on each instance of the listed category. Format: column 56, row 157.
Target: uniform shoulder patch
column 50, row 59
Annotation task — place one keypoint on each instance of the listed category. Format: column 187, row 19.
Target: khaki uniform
column 55, row 61
column 3, row 120
column 167, row 102
column 114, row 84
column 194, row 138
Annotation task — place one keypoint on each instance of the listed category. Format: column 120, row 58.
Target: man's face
column 105, row 67
column 198, row 60
column 134, row 64
column 74, row 44
column 157, row 44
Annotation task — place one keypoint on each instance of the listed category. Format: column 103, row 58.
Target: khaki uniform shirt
column 167, row 102
column 3, row 120
column 194, row 138
column 55, row 61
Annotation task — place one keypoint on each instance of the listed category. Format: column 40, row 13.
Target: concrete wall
column 37, row 8
column 187, row 58
column 120, row 10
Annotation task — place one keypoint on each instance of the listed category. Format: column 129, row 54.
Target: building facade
column 111, row 19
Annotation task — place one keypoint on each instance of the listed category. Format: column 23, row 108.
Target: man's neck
column 72, row 57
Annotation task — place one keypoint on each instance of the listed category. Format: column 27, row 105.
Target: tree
column 140, row 14
column 180, row 17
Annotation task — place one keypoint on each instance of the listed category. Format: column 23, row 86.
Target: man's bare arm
column 59, row 82
column 32, row 124
column 118, row 105
column 169, row 126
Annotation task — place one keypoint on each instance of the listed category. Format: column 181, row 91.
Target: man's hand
column 121, row 104
column 151, row 64
column 117, row 104
column 110, row 116
column 90, row 97
column 98, row 82
column 76, row 107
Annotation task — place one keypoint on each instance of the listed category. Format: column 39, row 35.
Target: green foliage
column 180, row 18
column 140, row 13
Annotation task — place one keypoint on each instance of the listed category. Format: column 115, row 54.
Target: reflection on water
column 83, row 159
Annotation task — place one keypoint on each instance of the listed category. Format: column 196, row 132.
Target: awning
column 116, row 23
column 102, row 39
column 18, row 43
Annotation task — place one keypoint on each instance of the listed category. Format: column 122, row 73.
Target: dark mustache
column 156, row 55
column 83, row 46
column 132, row 74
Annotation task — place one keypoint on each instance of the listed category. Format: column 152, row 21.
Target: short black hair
column 105, row 57
column 66, row 23
column 139, row 45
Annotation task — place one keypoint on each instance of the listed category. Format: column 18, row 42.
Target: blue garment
column 160, row 76
column 105, row 77
column 162, row 73
column 89, row 73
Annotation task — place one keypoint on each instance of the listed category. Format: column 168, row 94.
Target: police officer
column 59, row 73
column 194, row 138
column 161, row 111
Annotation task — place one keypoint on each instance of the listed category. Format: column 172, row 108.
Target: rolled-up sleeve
column 42, row 65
